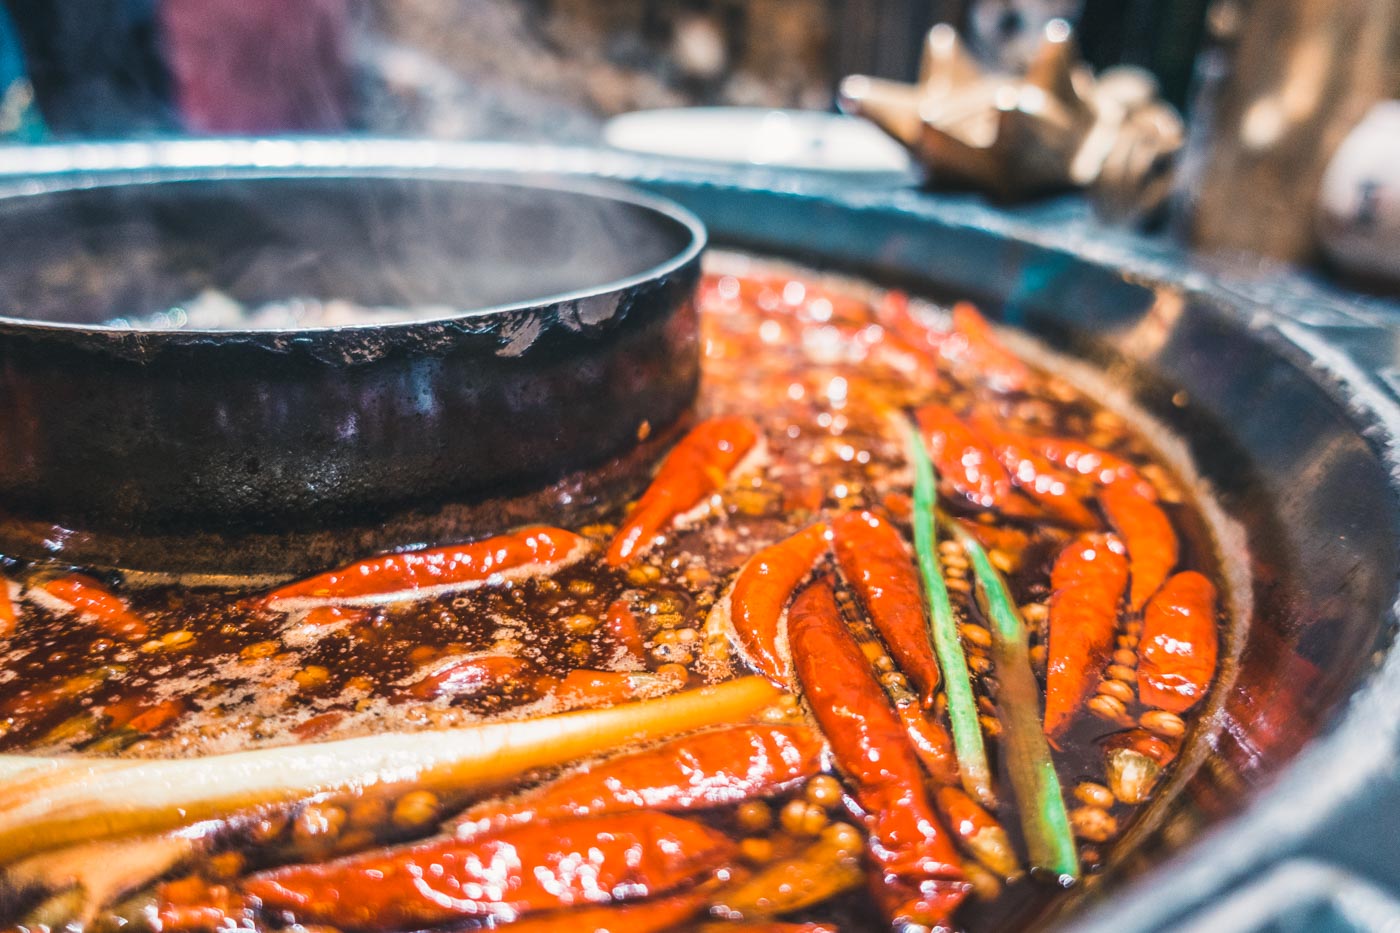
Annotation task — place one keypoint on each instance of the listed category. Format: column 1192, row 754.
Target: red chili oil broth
column 243, row 674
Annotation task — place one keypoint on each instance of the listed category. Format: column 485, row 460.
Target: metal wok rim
column 157, row 173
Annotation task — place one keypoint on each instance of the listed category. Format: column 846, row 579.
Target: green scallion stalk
column 1044, row 821
column 957, row 683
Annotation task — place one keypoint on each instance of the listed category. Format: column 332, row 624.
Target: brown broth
column 810, row 372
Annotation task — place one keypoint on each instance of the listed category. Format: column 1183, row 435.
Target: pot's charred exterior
column 288, row 450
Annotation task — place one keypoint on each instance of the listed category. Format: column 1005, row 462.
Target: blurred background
column 525, row 69
column 1270, row 90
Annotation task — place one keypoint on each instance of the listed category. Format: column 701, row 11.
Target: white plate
column 751, row 136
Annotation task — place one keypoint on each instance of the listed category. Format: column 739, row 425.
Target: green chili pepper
column 957, row 683
column 1044, row 821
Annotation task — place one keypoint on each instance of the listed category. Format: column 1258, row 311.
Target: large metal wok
column 1285, row 813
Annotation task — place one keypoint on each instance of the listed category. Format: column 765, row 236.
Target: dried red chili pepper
column 978, row 831
column 656, row 916
column 975, row 345
column 893, row 314
column 765, row 926
column 621, row 625
column 326, row 616
column 931, row 741
column 157, row 717
column 1149, row 537
column 1177, row 654
column 1013, row 541
column 753, row 607
column 1087, row 585
column 568, row 863
column 588, row 688
column 33, row 702
column 908, row 345
column 964, row 458
column 1091, row 462
column 425, row 574
column 121, row 712
column 696, row 467
column 1036, row 476
column 776, row 294
column 91, row 599
column 8, row 618
column 470, row 675
column 191, row 903
column 875, row 562
column 318, row 725
column 711, row 769
column 919, row 877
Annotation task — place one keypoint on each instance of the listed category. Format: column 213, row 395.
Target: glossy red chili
column 37, row 701
column 965, row 460
column 696, row 467
column 589, row 688
column 1087, row 585
column 877, row 565
column 710, row 769
column 1036, row 476
column 622, row 628
column 976, row 345
column 919, row 876
column 978, row 831
column 1177, row 653
column 191, row 903
column 529, row 552
column 931, row 741
column 8, row 617
column 1093, row 463
column 327, row 616
column 655, row 916
column 470, row 675
column 894, row 315
column 318, row 726
column 158, row 716
column 1148, row 535
column 755, row 603
column 784, row 294
column 767, row 926
column 94, row 601
column 908, row 345
column 530, row 868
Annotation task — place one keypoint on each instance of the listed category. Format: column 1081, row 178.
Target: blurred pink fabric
column 258, row 66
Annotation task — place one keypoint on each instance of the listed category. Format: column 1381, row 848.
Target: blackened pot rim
column 13, row 189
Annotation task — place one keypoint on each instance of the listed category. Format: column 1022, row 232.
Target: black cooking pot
column 560, row 331
column 1284, row 811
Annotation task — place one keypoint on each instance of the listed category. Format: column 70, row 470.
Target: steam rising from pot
column 298, row 253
